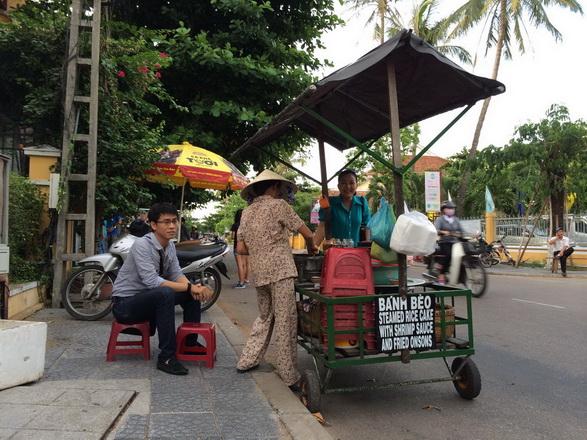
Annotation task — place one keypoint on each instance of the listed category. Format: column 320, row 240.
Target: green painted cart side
column 462, row 372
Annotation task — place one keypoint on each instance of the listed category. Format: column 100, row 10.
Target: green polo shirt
column 347, row 224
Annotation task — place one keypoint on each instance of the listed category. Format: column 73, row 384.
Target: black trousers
column 563, row 258
column 158, row 307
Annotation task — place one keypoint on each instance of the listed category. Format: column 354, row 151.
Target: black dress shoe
column 172, row 366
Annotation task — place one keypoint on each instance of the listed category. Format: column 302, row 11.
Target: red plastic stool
column 207, row 353
column 114, row 343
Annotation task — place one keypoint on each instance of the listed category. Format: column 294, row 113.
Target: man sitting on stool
column 561, row 249
column 150, row 284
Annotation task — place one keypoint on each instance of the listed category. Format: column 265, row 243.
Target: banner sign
column 432, row 190
column 405, row 323
column 314, row 212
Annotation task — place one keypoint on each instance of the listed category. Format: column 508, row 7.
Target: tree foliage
column 24, row 218
column 237, row 63
column 505, row 25
column 545, row 161
column 228, row 67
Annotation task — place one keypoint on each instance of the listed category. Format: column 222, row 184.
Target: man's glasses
column 168, row 222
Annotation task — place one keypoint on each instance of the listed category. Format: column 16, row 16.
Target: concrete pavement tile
column 123, row 367
column 185, row 426
column 254, row 425
column 226, row 361
column 35, row 394
column 7, row 433
column 18, row 416
column 55, row 435
column 239, row 403
column 191, row 402
column 67, row 368
column 93, row 398
column 240, row 383
column 134, row 428
column 219, row 373
column 177, row 384
column 90, row 417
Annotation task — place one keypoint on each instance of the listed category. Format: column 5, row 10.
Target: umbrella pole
column 181, row 209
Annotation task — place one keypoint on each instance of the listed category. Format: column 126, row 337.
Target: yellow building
column 6, row 7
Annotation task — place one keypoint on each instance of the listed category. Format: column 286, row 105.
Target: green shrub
column 26, row 204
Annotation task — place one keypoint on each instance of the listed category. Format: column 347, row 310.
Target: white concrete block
column 22, row 352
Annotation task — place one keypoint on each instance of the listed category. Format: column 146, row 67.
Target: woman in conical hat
column 264, row 234
column 264, row 180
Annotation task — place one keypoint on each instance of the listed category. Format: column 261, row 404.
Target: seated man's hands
column 201, row 293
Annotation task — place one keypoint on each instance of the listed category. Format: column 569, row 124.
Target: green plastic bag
column 381, row 224
column 384, row 255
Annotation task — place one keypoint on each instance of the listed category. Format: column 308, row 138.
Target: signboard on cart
column 405, row 323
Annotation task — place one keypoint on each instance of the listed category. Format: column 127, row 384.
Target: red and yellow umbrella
column 197, row 166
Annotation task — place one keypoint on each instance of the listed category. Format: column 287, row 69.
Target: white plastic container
column 22, row 352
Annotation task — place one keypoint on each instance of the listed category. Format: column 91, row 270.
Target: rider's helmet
column 139, row 227
column 447, row 204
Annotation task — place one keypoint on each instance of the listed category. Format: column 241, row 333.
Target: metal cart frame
column 463, row 372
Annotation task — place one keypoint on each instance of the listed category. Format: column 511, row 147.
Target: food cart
column 401, row 82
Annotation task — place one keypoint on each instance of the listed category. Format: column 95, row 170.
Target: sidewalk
column 505, row 269
column 81, row 396
column 522, row 271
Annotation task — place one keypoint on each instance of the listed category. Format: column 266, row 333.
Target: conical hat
column 247, row 191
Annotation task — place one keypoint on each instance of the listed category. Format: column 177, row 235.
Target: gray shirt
column 455, row 227
column 140, row 271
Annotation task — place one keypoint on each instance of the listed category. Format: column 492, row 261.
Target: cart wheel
column 469, row 384
column 310, row 391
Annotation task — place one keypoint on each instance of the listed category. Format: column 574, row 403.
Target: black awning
column 355, row 98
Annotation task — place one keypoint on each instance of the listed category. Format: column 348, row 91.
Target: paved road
column 529, row 334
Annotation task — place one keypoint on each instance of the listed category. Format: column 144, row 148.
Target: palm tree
column 505, row 23
column 434, row 34
column 381, row 10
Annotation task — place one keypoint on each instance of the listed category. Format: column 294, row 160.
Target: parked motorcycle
column 86, row 294
column 465, row 267
column 487, row 254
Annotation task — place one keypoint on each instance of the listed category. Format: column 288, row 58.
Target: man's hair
column 159, row 209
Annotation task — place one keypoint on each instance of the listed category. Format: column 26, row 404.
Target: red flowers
column 121, row 74
column 162, row 55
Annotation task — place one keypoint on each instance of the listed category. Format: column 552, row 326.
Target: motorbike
column 465, row 267
column 86, row 294
column 488, row 255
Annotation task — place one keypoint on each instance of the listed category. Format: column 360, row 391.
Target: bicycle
column 498, row 249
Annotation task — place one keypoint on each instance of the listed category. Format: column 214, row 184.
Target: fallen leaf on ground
column 431, row 407
column 320, row 419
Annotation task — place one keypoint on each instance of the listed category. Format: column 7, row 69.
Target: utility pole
column 80, row 139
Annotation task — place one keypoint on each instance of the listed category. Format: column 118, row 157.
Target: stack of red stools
column 347, row 272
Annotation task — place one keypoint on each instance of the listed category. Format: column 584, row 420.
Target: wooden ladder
column 79, row 141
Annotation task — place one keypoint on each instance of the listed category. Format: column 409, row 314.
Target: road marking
column 537, row 303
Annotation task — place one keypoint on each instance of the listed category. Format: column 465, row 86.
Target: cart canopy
column 356, row 98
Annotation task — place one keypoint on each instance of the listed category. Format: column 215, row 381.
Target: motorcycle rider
column 150, row 284
column 449, row 228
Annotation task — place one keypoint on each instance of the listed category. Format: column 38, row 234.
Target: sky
column 546, row 74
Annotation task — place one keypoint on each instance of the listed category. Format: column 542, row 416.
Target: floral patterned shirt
column 264, row 228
